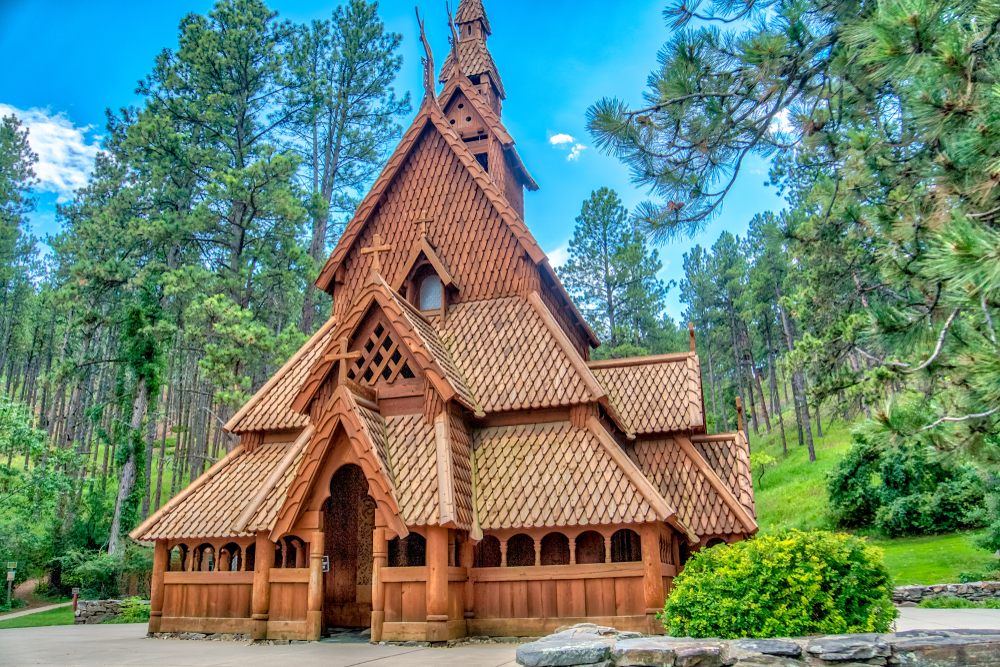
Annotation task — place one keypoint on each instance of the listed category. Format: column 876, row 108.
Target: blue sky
column 66, row 62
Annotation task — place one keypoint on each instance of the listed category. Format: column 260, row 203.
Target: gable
column 466, row 230
column 464, row 118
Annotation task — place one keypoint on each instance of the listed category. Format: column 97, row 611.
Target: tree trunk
column 775, row 400
column 126, row 481
column 819, row 427
column 711, row 381
column 736, row 354
column 798, row 386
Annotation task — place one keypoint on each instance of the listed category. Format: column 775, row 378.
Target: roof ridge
column 640, row 361
column 637, row 478
column 265, row 488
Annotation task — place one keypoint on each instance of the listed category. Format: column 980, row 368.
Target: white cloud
column 559, row 256
column 65, row 158
column 565, row 140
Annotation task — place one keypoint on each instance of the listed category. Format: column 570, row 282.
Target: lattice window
column 382, row 358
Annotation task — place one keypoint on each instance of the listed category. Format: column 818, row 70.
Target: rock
column 849, row 647
column 584, row 649
column 907, row 604
column 778, row 647
column 668, row 651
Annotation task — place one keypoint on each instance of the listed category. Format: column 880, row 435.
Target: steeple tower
column 474, row 59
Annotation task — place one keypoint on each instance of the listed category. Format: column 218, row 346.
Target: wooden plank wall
column 566, row 598
column 227, row 597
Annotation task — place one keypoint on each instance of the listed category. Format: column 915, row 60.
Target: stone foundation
column 973, row 592
column 91, row 612
column 588, row 645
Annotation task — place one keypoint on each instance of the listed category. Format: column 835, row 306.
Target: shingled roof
column 471, row 10
column 210, row 506
column 691, row 485
column 473, row 59
column 656, row 394
column 552, row 475
column 270, row 409
column 508, row 334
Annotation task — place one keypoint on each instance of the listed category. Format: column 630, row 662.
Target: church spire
column 474, row 59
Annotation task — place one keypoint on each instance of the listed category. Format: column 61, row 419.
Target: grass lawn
column 793, row 495
column 936, row 559
column 61, row 616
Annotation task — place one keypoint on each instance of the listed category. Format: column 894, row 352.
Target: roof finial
column 454, row 37
column 691, row 334
column 427, row 60
column 739, row 413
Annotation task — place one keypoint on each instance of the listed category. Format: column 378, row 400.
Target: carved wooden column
column 572, row 550
column 161, row 558
column 437, row 584
column 380, row 557
column 503, row 553
column 538, row 552
column 652, row 579
column 466, row 559
column 222, row 564
column 607, row 548
column 314, row 610
column 263, row 559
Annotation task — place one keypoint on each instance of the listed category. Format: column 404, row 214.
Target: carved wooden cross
column 422, row 221
column 376, row 248
column 343, row 357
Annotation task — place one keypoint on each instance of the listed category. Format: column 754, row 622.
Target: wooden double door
column 350, row 522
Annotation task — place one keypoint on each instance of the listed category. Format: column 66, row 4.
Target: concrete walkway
column 947, row 619
column 120, row 645
column 4, row 617
column 126, row 645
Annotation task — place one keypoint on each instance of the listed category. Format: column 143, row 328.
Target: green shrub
column 15, row 603
column 904, row 489
column 134, row 610
column 783, row 585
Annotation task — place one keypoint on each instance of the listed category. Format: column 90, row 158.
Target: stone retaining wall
column 974, row 592
column 589, row 645
column 91, row 612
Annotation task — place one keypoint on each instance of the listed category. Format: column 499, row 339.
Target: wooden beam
column 276, row 475
column 446, row 478
column 640, row 361
column 595, row 388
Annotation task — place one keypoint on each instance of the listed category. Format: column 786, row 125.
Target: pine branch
column 960, row 419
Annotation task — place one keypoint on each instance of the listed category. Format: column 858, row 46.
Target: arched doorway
column 350, row 520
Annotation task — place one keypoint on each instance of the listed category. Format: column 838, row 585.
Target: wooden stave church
column 442, row 458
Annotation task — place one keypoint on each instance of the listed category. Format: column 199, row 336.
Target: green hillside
column 792, row 494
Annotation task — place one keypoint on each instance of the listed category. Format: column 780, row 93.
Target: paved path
column 4, row 617
column 126, row 645
column 944, row 619
column 120, row 645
